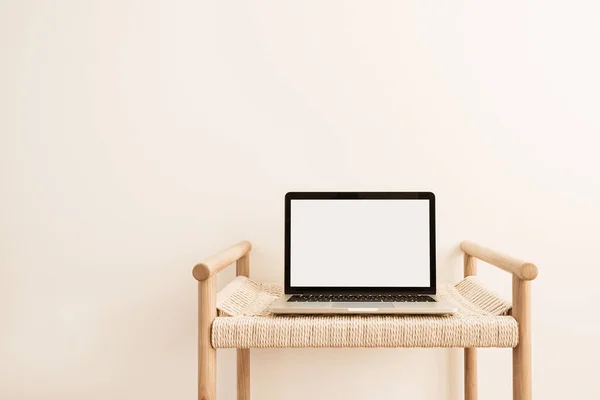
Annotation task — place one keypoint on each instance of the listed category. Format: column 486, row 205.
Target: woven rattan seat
column 244, row 322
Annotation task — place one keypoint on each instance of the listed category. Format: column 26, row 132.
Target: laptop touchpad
column 363, row 305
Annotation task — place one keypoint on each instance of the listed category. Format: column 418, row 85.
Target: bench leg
column 243, row 374
column 522, row 353
column 207, row 355
column 242, row 267
column 470, row 264
column 471, row 374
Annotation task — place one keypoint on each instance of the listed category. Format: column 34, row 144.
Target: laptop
column 360, row 253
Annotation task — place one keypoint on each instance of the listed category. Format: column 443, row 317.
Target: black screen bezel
column 431, row 289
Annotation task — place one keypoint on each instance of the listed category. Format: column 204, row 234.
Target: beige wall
column 140, row 136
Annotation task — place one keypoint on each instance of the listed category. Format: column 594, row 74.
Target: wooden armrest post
column 207, row 355
column 205, row 272
column 521, row 311
column 522, row 272
column 470, row 357
column 243, row 355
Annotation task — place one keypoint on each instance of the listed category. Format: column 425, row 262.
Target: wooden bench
column 515, row 324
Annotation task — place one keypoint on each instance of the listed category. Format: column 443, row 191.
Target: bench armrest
column 207, row 312
column 522, row 273
column 524, row 270
column 204, row 270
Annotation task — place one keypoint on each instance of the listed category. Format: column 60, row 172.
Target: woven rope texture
column 244, row 322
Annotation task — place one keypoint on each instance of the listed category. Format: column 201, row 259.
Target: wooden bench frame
column 205, row 272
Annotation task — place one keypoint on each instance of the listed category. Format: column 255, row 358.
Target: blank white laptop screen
column 359, row 243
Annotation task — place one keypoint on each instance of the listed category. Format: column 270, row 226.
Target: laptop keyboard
column 393, row 298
